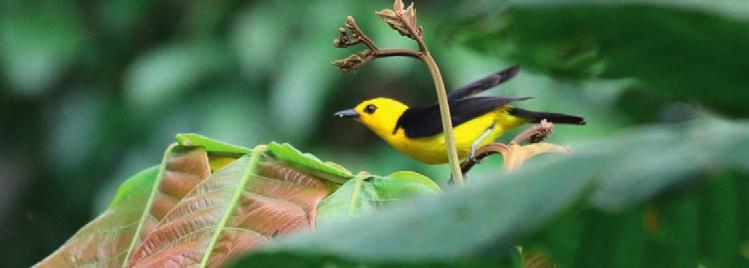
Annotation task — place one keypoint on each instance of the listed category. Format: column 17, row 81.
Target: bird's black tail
column 536, row 117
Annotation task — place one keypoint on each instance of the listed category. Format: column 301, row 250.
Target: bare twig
column 353, row 35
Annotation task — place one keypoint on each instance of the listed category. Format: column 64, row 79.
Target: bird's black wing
column 485, row 83
column 536, row 117
column 425, row 121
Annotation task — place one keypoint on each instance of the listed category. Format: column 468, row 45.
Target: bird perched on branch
column 477, row 121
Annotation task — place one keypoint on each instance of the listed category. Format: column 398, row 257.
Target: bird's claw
column 472, row 157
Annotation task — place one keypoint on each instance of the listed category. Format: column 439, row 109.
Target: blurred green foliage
column 92, row 92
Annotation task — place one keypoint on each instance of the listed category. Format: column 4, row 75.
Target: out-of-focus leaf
column 307, row 78
column 620, row 171
column 328, row 170
column 694, row 50
column 73, row 120
column 365, row 193
column 297, row 261
column 159, row 75
column 123, row 16
column 720, row 223
column 37, row 41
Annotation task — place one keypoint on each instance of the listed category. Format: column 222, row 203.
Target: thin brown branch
column 356, row 32
column 383, row 53
column 353, row 35
column 483, row 152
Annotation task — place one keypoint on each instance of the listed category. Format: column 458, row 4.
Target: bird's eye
column 370, row 109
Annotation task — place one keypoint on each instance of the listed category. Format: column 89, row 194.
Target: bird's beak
column 347, row 113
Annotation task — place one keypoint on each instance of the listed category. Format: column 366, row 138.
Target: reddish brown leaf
column 104, row 241
column 276, row 200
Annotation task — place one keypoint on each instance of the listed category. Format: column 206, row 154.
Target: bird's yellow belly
column 431, row 150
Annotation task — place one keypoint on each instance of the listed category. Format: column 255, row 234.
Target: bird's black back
column 425, row 121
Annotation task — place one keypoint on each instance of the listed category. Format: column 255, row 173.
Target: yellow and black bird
column 477, row 121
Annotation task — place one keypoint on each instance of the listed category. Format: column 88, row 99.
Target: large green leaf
column 609, row 174
column 213, row 146
column 365, row 193
column 694, row 50
column 329, row 170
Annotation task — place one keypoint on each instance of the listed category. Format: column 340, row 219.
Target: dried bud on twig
column 353, row 62
column 403, row 21
column 352, row 35
column 392, row 19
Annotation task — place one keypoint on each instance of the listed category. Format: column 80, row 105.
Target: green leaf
column 692, row 50
column 134, row 187
column 609, row 174
column 366, row 193
column 403, row 184
column 213, row 146
column 327, row 170
column 160, row 75
column 38, row 41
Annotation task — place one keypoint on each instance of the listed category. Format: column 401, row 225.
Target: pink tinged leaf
column 276, row 200
column 105, row 240
column 516, row 155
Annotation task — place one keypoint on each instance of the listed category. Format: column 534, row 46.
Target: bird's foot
column 472, row 157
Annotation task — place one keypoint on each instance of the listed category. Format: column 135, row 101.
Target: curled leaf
column 516, row 155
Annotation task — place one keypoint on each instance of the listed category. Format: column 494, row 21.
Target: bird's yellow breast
column 431, row 150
